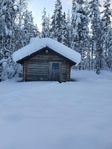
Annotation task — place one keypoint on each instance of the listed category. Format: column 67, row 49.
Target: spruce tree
column 29, row 29
column 45, row 25
column 74, row 32
column 96, row 34
column 106, row 29
column 9, row 10
column 64, row 30
column 56, row 23
column 69, row 29
column 8, row 16
column 80, row 33
column 19, row 33
column 87, row 39
column 2, row 29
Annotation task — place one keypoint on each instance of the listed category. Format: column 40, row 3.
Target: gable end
column 46, row 50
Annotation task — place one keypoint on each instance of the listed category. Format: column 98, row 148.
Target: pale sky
column 37, row 6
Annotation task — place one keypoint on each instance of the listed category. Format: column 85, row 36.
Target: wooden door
column 55, row 71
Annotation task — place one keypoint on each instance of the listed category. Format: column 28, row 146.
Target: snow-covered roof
column 36, row 44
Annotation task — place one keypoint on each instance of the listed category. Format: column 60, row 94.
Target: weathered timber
column 46, row 65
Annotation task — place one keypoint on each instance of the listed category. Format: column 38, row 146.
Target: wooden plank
column 39, row 67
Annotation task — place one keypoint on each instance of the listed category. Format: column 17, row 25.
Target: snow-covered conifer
column 106, row 29
column 64, row 30
column 45, row 25
column 69, row 29
column 80, row 30
column 56, row 24
column 96, row 34
column 29, row 29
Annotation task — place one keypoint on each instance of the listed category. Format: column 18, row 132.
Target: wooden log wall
column 37, row 67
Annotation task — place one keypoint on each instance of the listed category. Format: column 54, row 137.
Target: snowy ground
column 50, row 115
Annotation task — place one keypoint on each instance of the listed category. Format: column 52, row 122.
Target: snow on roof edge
column 36, row 44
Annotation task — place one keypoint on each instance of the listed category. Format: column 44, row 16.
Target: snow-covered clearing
column 50, row 115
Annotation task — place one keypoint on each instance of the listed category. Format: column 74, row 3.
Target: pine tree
column 96, row 34
column 45, row 25
column 29, row 29
column 9, row 11
column 64, row 30
column 109, row 50
column 56, row 24
column 2, row 29
column 106, row 29
column 80, row 33
column 87, row 39
column 74, row 32
column 69, row 29
column 19, row 33
column 9, row 35
column 16, row 30
column 22, row 7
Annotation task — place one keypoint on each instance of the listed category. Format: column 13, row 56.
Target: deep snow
column 50, row 115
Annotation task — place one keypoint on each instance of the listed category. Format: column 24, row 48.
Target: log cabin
column 46, row 60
